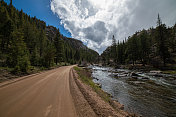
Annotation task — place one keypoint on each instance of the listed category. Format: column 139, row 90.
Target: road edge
column 11, row 81
column 100, row 107
column 83, row 108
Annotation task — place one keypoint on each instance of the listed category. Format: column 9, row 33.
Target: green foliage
column 152, row 47
column 133, row 48
column 18, row 53
column 144, row 47
column 60, row 51
column 87, row 80
column 161, row 38
column 169, row 72
column 49, row 55
column 114, row 49
column 25, row 43
column 77, row 55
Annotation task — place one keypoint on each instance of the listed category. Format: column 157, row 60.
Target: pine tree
column 6, row 27
column 10, row 2
column 172, row 42
column 132, row 49
column 42, row 43
column 21, row 17
column 11, row 9
column 77, row 56
column 161, row 40
column 60, row 51
column 114, row 49
column 144, row 47
column 49, row 55
column 18, row 53
column 57, row 46
column 29, row 34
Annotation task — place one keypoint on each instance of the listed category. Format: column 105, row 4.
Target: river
column 145, row 93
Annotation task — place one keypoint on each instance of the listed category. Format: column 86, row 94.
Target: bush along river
column 149, row 94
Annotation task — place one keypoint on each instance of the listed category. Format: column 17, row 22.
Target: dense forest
column 26, row 42
column 155, row 47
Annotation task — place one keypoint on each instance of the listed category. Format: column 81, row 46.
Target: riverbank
column 169, row 69
column 100, row 101
column 148, row 93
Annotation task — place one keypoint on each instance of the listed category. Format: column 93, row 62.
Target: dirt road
column 43, row 95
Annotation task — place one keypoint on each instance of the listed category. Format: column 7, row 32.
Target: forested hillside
column 27, row 42
column 155, row 47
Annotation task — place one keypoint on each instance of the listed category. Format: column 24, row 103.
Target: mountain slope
column 27, row 42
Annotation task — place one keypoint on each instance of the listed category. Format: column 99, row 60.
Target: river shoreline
column 149, row 93
column 103, row 105
column 142, row 68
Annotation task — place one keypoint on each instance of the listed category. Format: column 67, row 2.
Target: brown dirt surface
column 53, row 93
column 6, row 75
column 43, row 95
column 100, row 107
column 82, row 106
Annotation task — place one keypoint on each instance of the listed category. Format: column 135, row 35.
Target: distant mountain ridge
column 77, row 44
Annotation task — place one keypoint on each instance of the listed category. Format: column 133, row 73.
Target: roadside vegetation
column 7, row 73
column 85, row 77
column 169, row 72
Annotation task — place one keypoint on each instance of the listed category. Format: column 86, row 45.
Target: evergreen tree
column 49, row 55
column 77, row 55
column 161, row 40
column 10, row 2
column 21, row 19
column 153, row 46
column 11, row 9
column 30, row 36
column 42, row 43
column 6, row 27
column 144, row 47
column 114, row 49
column 172, row 42
column 132, row 49
column 61, row 51
column 57, row 46
column 18, row 53
column 25, row 40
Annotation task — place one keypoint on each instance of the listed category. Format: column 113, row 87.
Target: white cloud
column 95, row 21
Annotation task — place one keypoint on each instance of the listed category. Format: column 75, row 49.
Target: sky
column 94, row 22
column 41, row 9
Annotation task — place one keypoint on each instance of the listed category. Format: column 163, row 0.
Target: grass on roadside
column 7, row 73
column 6, row 68
column 85, row 78
column 170, row 72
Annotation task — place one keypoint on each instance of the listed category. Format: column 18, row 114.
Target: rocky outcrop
column 77, row 44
